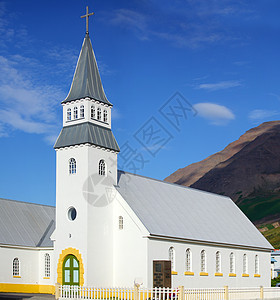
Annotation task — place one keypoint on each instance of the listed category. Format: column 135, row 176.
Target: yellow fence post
column 57, row 291
column 181, row 292
column 226, row 292
column 261, row 294
column 136, row 291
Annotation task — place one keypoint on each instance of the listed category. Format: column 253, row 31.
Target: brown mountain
column 247, row 170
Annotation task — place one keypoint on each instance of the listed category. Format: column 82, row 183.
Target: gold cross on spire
column 87, row 16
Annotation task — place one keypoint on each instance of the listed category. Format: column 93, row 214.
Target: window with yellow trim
column 202, row 261
column 172, row 258
column 188, row 260
column 257, row 265
column 245, row 264
column 231, row 263
column 16, row 269
column 218, row 262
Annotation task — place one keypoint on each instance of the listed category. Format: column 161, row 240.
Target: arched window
column 82, row 111
column 102, row 167
column 98, row 113
column 105, row 116
column 202, row 261
column 231, row 263
column 257, row 266
column 172, row 258
column 69, row 114
column 72, row 166
column 75, row 112
column 245, row 264
column 120, row 222
column 16, row 267
column 188, row 260
column 92, row 112
column 218, row 262
column 47, row 265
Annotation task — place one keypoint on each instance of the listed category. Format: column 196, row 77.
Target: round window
column 72, row 214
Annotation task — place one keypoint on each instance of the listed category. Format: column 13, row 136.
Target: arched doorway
column 71, row 270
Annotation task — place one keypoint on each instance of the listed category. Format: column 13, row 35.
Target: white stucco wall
column 91, row 232
column 42, row 279
column 158, row 250
column 32, row 265
column 130, row 246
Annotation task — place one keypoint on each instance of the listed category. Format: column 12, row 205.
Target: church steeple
column 86, row 109
column 86, row 81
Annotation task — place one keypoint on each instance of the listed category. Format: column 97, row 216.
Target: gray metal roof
column 171, row 210
column 86, row 81
column 26, row 224
column 87, row 133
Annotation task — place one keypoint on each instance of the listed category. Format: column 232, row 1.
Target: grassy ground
column 261, row 206
column 273, row 236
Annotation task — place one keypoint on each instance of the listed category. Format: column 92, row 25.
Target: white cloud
column 17, row 121
column 188, row 23
column 274, row 95
column 215, row 113
column 25, row 104
column 222, row 85
column 115, row 114
column 262, row 114
column 182, row 34
column 133, row 20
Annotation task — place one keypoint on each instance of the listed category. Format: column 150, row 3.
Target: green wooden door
column 71, row 270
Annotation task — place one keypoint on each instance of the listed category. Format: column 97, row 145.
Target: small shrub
column 275, row 280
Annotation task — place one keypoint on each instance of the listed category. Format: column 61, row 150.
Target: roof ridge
column 5, row 199
column 174, row 184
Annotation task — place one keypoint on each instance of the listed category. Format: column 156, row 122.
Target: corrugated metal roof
column 86, row 81
column 87, row 133
column 176, row 211
column 26, row 224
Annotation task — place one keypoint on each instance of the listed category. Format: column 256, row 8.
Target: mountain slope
column 190, row 174
column 247, row 170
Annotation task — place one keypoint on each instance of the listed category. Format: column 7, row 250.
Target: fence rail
column 180, row 293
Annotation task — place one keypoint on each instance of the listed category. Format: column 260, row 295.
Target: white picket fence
column 80, row 292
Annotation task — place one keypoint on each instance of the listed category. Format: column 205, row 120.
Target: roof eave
column 223, row 244
column 91, row 98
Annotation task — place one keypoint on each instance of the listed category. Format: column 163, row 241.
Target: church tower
column 86, row 172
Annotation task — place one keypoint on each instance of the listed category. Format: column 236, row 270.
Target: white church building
column 110, row 228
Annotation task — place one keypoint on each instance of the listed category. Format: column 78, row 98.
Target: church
column 111, row 228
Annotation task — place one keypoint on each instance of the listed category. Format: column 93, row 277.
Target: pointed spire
column 86, row 81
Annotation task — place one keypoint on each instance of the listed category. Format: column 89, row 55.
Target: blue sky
column 221, row 58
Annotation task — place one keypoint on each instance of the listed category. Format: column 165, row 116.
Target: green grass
column 256, row 208
column 259, row 206
column 269, row 226
column 273, row 236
